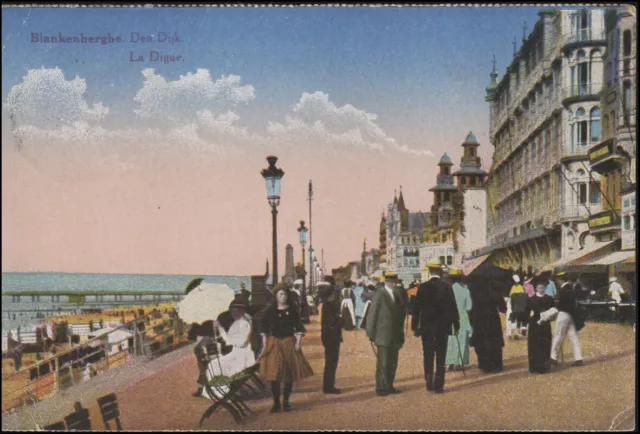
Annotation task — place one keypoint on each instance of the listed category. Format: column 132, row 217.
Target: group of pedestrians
column 449, row 315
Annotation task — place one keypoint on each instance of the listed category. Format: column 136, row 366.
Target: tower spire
column 524, row 31
column 514, row 46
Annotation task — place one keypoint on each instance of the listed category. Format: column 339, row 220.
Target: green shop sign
column 600, row 151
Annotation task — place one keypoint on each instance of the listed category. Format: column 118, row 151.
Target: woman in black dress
column 539, row 341
column 282, row 359
column 487, row 338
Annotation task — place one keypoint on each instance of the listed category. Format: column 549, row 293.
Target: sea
column 28, row 312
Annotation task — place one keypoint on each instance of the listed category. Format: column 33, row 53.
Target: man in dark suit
column 331, row 332
column 434, row 318
column 384, row 325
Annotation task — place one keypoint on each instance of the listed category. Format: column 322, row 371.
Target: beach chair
column 78, row 420
column 58, row 426
column 109, row 410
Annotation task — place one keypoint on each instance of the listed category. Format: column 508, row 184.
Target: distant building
column 289, row 270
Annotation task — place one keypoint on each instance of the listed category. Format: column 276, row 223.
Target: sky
column 115, row 162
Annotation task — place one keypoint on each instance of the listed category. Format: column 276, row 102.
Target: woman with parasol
column 282, row 360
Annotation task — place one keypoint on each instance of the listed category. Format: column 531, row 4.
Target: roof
column 416, row 221
column 401, row 206
column 447, row 187
column 470, row 170
column 445, row 159
column 471, row 138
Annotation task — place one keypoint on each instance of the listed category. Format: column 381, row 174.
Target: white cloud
column 193, row 113
column 180, row 100
column 45, row 97
column 318, row 120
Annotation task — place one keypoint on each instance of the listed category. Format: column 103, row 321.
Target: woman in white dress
column 239, row 337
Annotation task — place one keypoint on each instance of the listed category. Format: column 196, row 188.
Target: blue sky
column 394, row 62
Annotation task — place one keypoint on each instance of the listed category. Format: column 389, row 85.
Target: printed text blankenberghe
column 82, row 39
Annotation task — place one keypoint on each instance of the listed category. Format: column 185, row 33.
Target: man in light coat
column 565, row 322
column 385, row 329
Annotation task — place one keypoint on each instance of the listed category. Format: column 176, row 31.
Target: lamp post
column 272, row 177
column 302, row 231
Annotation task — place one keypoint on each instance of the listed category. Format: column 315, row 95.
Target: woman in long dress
column 539, row 341
column 282, row 360
column 487, row 338
column 456, row 359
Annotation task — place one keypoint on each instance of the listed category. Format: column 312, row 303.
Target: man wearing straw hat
column 434, row 318
column 384, row 325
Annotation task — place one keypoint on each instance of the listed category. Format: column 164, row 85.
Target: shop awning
column 614, row 258
column 597, row 261
column 629, row 264
column 471, row 264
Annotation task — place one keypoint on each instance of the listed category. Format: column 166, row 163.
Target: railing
column 578, row 149
column 444, row 179
column 584, row 35
column 63, row 370
column 578, row 211
column 583, row 89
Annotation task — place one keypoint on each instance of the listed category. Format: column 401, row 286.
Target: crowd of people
column 449, row 312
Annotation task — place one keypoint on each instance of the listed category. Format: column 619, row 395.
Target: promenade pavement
column 593, row 397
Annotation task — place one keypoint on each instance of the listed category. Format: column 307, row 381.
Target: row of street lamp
column 273, row 178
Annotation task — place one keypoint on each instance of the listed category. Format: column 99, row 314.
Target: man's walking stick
column 384, row 377
column 459, row 351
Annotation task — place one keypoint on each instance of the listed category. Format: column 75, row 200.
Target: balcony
column 579, row 211
column 582, row 92
column 579, row 150
column 583, row 37
column 444, row 180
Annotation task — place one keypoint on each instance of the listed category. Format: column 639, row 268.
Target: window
column 449, row 260
column 472, row 152
column 463, row 180
column 626, row 43
column 582, row 193
column 445, row 170
column 442, row 260
column 595, row 124
column 627, row 223
column 626, row 102
column 473, row 180
column 594, row 192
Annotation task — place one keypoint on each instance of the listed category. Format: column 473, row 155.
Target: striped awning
column 471, row 264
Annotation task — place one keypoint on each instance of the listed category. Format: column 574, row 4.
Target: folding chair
column 109, row 410
column 223, row 391
column 58, row 426
column 78, row 420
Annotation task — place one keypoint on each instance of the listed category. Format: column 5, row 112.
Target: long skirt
column 348, row 315
column 281, row 362
column 453, row 351
column 539, row 347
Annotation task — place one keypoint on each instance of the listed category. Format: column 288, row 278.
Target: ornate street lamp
column 302, row 231
column 272, row 178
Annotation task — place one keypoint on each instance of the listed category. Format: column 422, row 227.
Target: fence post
column 56, row 372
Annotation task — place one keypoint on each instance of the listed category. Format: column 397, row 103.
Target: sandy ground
column 158, row 396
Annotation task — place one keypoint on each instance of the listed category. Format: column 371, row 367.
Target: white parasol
column 205, row 303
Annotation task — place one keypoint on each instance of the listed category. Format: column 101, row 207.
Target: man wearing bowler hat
column 434, row 318
column 331, row 332
column 384, row 325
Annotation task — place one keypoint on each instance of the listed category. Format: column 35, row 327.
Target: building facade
column 404, row 236
column 544, row 117
column 614, row 157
